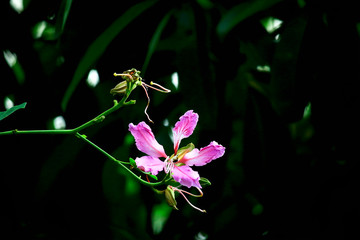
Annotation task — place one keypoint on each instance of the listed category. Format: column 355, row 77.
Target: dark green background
column 282, row 176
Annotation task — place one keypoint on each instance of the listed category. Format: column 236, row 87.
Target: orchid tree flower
column 180, row 162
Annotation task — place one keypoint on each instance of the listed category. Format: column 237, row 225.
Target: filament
column 164, row 90
column 123, row 75
column 169, row 165
column 180, row 191
column 194, row 195
column 160, row 89
column 148, row 103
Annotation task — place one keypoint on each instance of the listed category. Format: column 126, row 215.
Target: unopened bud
column 119, row 89
column 170, row 197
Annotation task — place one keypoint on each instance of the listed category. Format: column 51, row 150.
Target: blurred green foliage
column 249, row 68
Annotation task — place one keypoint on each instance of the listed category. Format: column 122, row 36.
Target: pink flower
column 179, row 164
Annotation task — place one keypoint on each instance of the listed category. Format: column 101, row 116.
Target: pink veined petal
column 186, row 176
column 184, row 127
column 204, row 156
column 150, row 164
column 145, row 140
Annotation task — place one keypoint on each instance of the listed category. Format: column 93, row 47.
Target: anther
column 123, row 75
column 160, row 88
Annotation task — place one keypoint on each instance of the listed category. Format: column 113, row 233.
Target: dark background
column 283, row 176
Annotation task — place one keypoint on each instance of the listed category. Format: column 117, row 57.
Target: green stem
column 93, row 121
column 109, row 156
column 102, row 116
column 13, row 132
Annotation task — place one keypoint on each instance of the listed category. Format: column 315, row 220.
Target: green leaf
column 152, row 176
column 154, row 40
column 15, row 65
column 159, row 216
column 129, row 139
column 6, row 113
column 241, row 12
column 132, row 162
column 204, row 182
column 63, row 14
column 289, row 68
column 98, row 47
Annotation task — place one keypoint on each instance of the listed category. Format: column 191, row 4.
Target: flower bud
column 170, row 197
column 119, row 89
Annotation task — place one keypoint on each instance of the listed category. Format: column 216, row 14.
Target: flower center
column 169, row 165
column 182, row 152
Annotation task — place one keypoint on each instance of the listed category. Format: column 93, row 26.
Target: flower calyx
column 131, row 80
column 119, row 89
column 170, row 197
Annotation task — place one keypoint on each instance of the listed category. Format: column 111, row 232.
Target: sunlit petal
column 186, row 176
column 184, row 127
column 150, row 164
column 204, row 156
column 145, row 140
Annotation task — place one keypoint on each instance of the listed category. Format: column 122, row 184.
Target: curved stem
column 102, row 116
column 121, row 163
column 98, row 119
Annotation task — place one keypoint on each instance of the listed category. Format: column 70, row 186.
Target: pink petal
column 204, row 156
column 184, row 127
column 150, row 164
column 186, row 176
column 145, row 140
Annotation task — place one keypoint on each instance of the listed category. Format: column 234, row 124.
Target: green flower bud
column 170, row 197
column 119, row 88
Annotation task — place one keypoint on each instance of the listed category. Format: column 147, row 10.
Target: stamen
column 134, row 77
column 160, row 89
column 181, row 192
column 194, row 195
column 169, row 165
column 123, row 75
column 148, row 103
column 165, row 90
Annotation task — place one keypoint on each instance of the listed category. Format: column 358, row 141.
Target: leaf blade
column 10, row 111
column 98, row 47
column 241, row 12
column 155, row 39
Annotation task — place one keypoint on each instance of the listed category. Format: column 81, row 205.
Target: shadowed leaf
column 154, row 40
column 98, row 47
column 240, row 12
